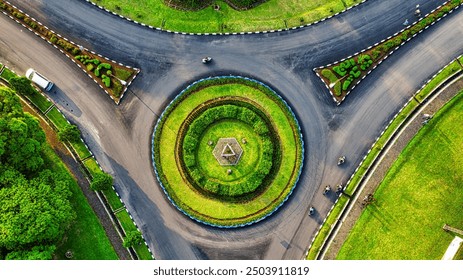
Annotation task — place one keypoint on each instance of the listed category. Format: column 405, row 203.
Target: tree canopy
column 21, row 137
column 101, row 181
column 22, row 85
column 35, row 209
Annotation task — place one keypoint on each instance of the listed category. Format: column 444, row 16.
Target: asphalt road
column 120, row 136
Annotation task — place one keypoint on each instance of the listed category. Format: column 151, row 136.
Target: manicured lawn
column 248, row 160
column 92, row 166
column 57, row 118
column 459, row 255
column 274, row 14
column 86, row 237
column 81, row 149
column 40, row 101
column 113, row 200
column 218, row 211
column 420, row 193
column 7, row 74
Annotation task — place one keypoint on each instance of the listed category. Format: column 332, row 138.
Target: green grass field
column 274, row 14
column 86, row 237
column 217, row 211
column 248, row 161
column 421, row 192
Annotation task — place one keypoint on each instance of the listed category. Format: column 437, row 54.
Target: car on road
column 39, row 79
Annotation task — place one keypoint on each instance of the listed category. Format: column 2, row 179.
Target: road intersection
column 120, row 136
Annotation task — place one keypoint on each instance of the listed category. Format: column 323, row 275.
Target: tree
column 22, row 85
column 132, row 238
column 69, row 133
column 36, row 253
column 21, row 137
column 10, row 106
column 33, row 211
column 101, row 181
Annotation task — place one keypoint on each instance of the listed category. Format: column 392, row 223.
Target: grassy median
column 421, row 192
column 274, row 14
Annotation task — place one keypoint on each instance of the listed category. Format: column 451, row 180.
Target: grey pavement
column 120, row 136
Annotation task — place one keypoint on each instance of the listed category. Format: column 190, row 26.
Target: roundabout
column 227, row 151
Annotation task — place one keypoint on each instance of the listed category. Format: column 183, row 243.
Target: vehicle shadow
column 63, row 102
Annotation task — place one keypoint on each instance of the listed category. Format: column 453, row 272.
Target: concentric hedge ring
column 246, row 114
column 227, row 109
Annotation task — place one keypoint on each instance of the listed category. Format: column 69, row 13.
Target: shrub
column 346, row 84
column 101, row 181
column 132, row 238
column 329, row 75
column 376, row 53
column 106, row 80
column 337, row 89
column 75, row 51
column 340, row 70
column 53, row 39
column 22, row 85
column 117, row 88
column 69, row 133
column 18, row 15
column 33, row 25
column 104, row 65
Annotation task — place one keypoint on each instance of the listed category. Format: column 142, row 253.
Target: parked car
column 39, row 79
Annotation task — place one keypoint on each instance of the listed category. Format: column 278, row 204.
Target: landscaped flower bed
column 113, row 77
column 227, row 151
column 341, row 78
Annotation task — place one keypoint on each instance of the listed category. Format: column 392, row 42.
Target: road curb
column 220, row 33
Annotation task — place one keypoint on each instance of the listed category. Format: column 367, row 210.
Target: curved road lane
column 120, row 135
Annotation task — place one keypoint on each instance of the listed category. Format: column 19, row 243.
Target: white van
column 39, row 79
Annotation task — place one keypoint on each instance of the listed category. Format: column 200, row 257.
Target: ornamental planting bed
column 114, row 78
column 258, row 134
column 340, row 78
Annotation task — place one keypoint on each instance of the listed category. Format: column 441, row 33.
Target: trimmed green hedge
column 196, row 130
column 213, row 211
column 353, row 69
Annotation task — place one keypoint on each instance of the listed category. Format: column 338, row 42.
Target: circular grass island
column 227, row 151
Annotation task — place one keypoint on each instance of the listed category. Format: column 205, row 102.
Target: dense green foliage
column 194, row 134
column 221, row 17
column 101, row 68
column 344, row 75
column 69, row 133
column 227, row 212
column 34, row 206
column 21, row 138
column 132, row 238
column 101, row 181
column 22, row 85
column 200, row 4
